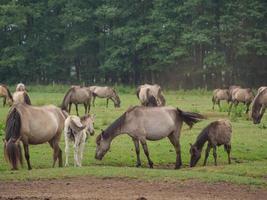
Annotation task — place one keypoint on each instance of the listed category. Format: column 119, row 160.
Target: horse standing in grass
column 77, row 130
column 21, row 97
column 218, row 95
column 20, row 87
column 216, row 133
column 231, row 89
column 243, row 95
column 105, row 92
column 6, row 94
column 32, row 125
column 259, row 105
column 147, row 123
column 145, row 93
column 77, row 95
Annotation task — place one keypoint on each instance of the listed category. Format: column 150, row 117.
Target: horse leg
column 248, row 104
column 175, row 142
column 215, row 155
column 94, row 101
column 143, row 142
column 88, row 106
column 67, row 151
column 227, row 147
column 4, row 101
column 137, row 150
column 207, row 153
column 27, row 155
column 57, row 152
column 219, row 105
column 107, row 103
column 81, row 149
column 70, row 107
column 230, row 108
column 76, row 105
column 85, row 108
column 213, row 102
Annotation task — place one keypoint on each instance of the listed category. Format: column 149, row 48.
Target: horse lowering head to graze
column 21, row 97
column 32, row 125
column 243, row 95
column 77, row 130
column 6, row 94
column 105, row 92
column 261, row 88
column 147, row 123
column 77, row 95
column 146, row 91
column 218, row 95
column 20, row 87
column 259, row 105
column 216, row 133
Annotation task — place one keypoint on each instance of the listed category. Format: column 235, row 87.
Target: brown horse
column 77, row 95
column 218, row 95
column 259, row 105
column 32, row 125
column 231, row 89
column 145, row 93
column 147, row 123
column 216, row 133
column 6, row 94
column 105, row 92
column 243, row 95
column 21, row 97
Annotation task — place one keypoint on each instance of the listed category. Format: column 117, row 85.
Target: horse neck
column 201, row 139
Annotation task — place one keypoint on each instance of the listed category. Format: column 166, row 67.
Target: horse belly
column 158, row 130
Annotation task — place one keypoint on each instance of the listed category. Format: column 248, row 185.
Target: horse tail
column 190, row 118
column 66, row 99
column 12, row 147
column 27, row 99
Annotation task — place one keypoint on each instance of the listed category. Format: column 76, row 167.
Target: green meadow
column 249, row 144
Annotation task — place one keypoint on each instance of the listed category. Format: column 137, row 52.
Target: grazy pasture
column 249, row 144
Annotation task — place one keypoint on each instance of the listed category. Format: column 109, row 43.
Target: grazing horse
column 77, row 130
column 259, row 105
column 21, row 97
column 243, row 95
column 77, row 95
column 231, row 89
column 261, row 88
column 32, row 125
column 6, row 94
column 218, row 95
column 20, row 87
column 147, row 123
column 105, row 92
column 146, row 91
column 216, row 133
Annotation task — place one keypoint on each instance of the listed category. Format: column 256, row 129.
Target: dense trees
column 182, row 43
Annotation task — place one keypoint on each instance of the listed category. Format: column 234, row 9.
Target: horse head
column 195, row 155
column 102, row 146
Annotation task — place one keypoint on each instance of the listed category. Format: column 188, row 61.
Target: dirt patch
column 122, row 188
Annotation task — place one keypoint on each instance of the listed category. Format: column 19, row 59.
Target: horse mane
column 255, row 103
column 138, row 91
column 8, row 91
column 66, row 98
column 203, row 136
column 27, row 99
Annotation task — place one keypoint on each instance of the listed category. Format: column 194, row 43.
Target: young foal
column 77, row 129
column 216, row 133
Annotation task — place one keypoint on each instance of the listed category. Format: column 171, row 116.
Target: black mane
column 109, row 131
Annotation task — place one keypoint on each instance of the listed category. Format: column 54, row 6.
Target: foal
column 216, row 133
column 77, row 129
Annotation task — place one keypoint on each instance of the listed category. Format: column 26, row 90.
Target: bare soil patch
column 124, row 188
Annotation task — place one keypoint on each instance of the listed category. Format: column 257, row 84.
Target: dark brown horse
column 216, row 133
column 259, row 105
column 147, row 123
column 6, row 94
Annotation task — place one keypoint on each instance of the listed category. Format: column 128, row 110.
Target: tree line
column 176, row 43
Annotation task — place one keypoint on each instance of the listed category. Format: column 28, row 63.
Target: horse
column 244, row 95
column 146, row 91
column 261, row 88
column 32, row 125
column 77, row 95
column 105, row 92
column 231, row 89
column 20, row 87
column 147, row 123
column 77, row 130
column 6, row 94
column 259, row 105
column 216, row 133
column 218, row 95
column 21, row 97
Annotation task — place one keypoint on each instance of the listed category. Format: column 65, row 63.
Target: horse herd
column 153, row 120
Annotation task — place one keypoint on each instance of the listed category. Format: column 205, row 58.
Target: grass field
column 249, row 145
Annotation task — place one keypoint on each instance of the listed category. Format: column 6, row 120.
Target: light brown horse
column 145, row 93
column 6, row 94
column 77, row 95
column 32, row 125
column 105, row 92
column 21, row 97
column 20, row 87
column 147, row 123
column 243, row 95
column 218, row 95
column 216, row 133
column 231, row 89
column 259, row 105
column 261, row 88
